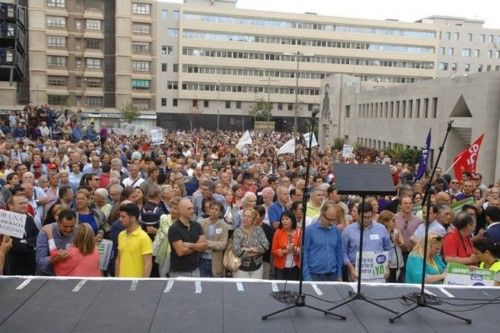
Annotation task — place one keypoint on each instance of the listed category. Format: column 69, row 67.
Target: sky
column 403, row 10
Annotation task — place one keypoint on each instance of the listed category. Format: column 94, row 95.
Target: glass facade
column 307, row 42
column 308, row 25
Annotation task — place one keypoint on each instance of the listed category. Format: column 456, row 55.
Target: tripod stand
column 421, row 300
column 300, row 299
column 362, row 180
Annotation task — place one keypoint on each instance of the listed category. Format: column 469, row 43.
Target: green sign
column 461, row 275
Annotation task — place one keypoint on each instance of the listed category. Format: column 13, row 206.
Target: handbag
column 231, row 262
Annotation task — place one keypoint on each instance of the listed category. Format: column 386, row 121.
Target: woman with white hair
column 248, row 201
column 101, row 200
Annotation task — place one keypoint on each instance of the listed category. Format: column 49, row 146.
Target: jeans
column 206, row 268
column 324, row 276
column 195, row 273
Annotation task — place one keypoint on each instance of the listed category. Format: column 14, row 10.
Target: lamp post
column 269, row 79
column 218, row 104
column 298, row 56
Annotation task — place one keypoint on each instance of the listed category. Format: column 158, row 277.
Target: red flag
column 466, row 160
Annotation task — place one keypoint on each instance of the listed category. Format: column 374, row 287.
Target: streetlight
column 269, row 79
column 298, row 56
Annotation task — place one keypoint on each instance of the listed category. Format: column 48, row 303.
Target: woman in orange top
column 82, row 256
column 286, row 248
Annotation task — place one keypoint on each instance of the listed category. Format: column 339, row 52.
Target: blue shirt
column 43, row 265
column 375, row 238
column 323, row 251
column 274, row 212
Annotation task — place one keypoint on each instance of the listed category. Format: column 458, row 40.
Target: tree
column 261, row 110
column 338, row 144
column 130, row 113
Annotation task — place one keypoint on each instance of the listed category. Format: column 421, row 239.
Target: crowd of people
column 199, row 206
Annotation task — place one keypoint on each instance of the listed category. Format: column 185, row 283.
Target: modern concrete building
column 465, row 46
column 215, row 60
column 379, row 117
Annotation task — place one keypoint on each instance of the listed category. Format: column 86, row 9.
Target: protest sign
column 157, row 137
column 461, row 275
column 105, row 249
column 12, row 224
column 346, row 151
column 373, row 265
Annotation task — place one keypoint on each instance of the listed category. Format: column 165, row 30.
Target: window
column 163, row 67
column 479, row 68
column 138, row 47
column 467, row 67
column 228, row 104
column 93, row 4
column 163, row 102
column 173, row 32
column 93, row 43
column 93, row 24
column 172, row 85
column 164, row 14
column 448, row 35
column 290, row 107
column 141, row 84
column 205, row 104
column 454, row 66
column 93, row 101
column 238, row 104
column 456, row 36
column 56, row 22
column 175, row 102
column 78, row 25
column 466, row 52
column 442, row 50
column 141, row 28
column 78, row 63
column 90, row 82
column 56, row 4
column 175, row 15
column 57, row 81
column 476, row 53
column 93, row 63
column 443, row 66
column 141, row 104
column 57, row 100
column 498, row 54
column 195, row 103
column 490, row 54
column 488, row 68
column 280, row 106
column 141, row 8
column 490, row 38
column 167, row 49
column 451, row 51
column 482, row 38
column 140, row 66
column 310, row 107
column 470, row 37
column 56, row 41
column 175, row 68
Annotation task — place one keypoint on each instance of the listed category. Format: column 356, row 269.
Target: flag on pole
column 466, row 160
column 246, row 139
column 287, row 148
column 314, row 143
column 422, row 164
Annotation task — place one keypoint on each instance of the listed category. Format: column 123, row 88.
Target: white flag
column 246, row 139
column 287, row 148
column 306, row 139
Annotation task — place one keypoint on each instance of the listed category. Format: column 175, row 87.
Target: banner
column 246, row 139
column 287, row 148
column 157, row 137
column 456, row 207
column 314, row 143
column 105, row 248
column 373, row 265
column 466, row 160
column 422, row 164
column 346, row 151
column 461, row 275
column 12, row 224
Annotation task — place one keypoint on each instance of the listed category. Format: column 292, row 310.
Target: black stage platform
column 207, row 305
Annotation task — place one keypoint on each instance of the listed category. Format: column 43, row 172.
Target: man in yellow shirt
column 135, row 248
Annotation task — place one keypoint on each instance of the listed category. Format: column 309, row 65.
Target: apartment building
column 465, row 46
column 215, row 60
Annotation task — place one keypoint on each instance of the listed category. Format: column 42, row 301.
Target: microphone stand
column 421, row 300
column 300, row 299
